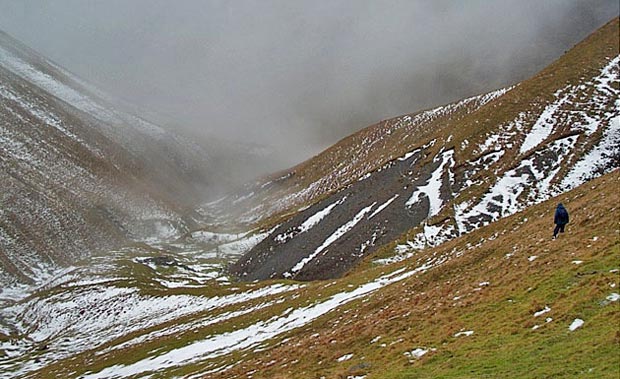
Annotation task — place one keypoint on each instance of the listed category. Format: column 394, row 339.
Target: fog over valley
column 297, row 76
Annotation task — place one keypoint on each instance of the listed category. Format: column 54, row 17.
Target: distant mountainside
column 79, row 175
column 438, row 174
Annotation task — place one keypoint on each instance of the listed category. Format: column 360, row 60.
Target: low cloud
column 299, row 75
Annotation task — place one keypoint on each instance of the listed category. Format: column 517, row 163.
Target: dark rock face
column 362, row 217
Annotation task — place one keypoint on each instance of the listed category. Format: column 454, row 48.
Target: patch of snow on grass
column 222, row 344
column 504, row 197
column 613, row 297
column 345, row 357
column 490, row 142
column 403, row 251
column 408, row 155
column 577, row 323
column 601, row 157
column 416, row 353
column 243, row 245
column 543, row 127
column 598, row 159
column 542, row 311
column 88, row 317
column 466, row 333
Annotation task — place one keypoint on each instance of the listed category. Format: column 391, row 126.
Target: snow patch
column 342, row 230
column 577, row 323
column 542, row 311
column 466, row 333
column 222, row 344
column 613, row 297
column 432, row 189
column 416, row 353
column 309, row 223
column 345, row 357
column 383, row 206
column 543, row 127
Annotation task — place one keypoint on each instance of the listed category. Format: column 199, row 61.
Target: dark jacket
column 561, row 215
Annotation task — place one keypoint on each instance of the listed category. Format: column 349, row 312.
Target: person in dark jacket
column 560, row 219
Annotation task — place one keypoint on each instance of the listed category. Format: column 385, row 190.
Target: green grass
column 421, row 311
column 504, row 344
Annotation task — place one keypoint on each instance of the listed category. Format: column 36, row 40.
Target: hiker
column 560, row 219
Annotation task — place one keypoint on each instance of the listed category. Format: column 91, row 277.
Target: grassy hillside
column 494, row 282
column 498, row 299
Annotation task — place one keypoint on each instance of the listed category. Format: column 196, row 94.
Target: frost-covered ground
column 121, row 293
column 124, row 294
column 250, row 337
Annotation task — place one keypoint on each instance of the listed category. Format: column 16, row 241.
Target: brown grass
column 423, row 312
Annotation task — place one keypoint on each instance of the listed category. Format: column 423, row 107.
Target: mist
column 298, row 76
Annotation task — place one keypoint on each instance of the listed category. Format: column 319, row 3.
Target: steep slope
column 79, row 176
column 489, row 157
column 501, row 301
column 340, row 165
